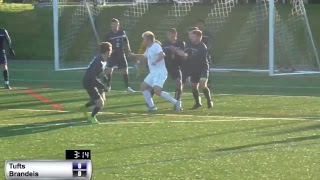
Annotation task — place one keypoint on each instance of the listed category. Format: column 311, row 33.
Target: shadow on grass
column 295, row 130
column 204, row 157
column 289, row 140
column 18, row 130
column 193, row 137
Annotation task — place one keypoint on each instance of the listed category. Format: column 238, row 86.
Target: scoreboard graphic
column 77, row 166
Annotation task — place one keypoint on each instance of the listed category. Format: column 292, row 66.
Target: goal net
column 174, row 17
column 272, row 37
column 77, row 34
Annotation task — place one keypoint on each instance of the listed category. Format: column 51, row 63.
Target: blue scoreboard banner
column 48, row 169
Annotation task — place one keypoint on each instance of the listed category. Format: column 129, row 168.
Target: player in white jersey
column 158, row 72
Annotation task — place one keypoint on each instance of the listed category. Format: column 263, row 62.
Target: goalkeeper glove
column 12, row 52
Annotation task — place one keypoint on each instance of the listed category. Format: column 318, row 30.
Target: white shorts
column 156, row 79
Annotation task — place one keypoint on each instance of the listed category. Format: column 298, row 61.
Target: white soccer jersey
column 158, row 73
column 152, row 54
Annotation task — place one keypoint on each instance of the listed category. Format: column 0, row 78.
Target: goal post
column 272, row 38
column 263, row 37
column 77, row 33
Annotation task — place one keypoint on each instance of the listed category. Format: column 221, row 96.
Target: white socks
column 6, row 82
column 168, row 97
column 147, row 98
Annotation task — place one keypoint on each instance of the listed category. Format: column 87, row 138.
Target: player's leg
column 123, row 67
column 144, row 87
column 97, row 101
column 194, row 79
column 204, row 86
column 176, row 75
column 112, row 62
column 5, row 70
column 158, row 82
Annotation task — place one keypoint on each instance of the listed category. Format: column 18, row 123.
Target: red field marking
column 43, row 99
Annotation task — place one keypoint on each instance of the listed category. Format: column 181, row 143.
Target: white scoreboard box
column 48, row 169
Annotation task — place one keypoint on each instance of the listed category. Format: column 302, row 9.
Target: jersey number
column 117, row 45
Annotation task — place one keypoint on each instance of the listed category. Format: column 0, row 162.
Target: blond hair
column 149, row 36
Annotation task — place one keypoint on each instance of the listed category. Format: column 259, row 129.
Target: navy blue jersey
column 95, row 68
column 4, row 36
column 197, row 58
column 117, row 40
column 172, row 58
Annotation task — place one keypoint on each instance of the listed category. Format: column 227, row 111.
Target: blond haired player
column 158, row 72
column 142, row 49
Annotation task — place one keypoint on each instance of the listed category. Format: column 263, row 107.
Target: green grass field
column 260, row 128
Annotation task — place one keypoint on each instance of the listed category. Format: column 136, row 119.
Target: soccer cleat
column 152, row 109
column 178, row 106
column 175, row 107
column 93, row 120
column 7, row 86
column 130, row 90
column 196, row 106
column 210, row 104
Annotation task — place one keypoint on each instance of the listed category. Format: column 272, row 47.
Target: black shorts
column 92, row 90
column 196, row 76
column 174, row 72
column 117, row 59
column 3, row 57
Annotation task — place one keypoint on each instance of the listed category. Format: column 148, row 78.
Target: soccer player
column 197, row 61
column 117, row 38
column 4, row 36
column 158, row 72
column 173, row 61
column 91, row 83
column 207, row 39
column 140, row 65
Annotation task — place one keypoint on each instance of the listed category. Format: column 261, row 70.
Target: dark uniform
column 90, row 80
column 172, row 60
column 4, row 37
column 196, row 63
column 118, row 57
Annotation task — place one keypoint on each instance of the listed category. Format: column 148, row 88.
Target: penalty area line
column 219, row 118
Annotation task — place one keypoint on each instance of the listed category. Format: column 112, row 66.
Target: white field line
column 228, row 119
column 243, row 118
column 138, row 92
column 224, row 85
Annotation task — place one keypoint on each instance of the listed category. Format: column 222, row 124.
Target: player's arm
column 140, row 57
column 9, row 43
column 210, row 39
column 160, row 53
column 126, row 39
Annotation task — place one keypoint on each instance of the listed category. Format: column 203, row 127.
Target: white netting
column 77, row 36
column 61, row 5
column 134, row 13
column 246, row 47
column 173, row 19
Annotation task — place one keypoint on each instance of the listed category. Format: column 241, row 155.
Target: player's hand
column 12, row 52
column 181, row 53
column 105, row 89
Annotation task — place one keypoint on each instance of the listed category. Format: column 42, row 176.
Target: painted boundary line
column 223, row 85
column 138, row 92
column 211, row 120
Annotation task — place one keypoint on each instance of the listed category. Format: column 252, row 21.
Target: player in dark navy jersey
column 196, row 60
column 4, row 37
column 172, row 60
column 92, row 85
column 207, row 39
column 117, row 38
